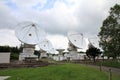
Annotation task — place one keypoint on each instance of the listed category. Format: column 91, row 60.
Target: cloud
column 28, row 4
column 63, row 15
column 60, row 17
column 6, row 18
column 56, row 17
column 62, row 40
column 92, row 14
column 7, row 37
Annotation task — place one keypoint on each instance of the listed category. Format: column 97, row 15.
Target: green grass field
column 57, row 72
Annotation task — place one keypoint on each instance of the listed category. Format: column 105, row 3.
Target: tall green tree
column 110, row 33
column 93, row 52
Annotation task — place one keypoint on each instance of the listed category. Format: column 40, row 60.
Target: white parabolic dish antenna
column 47, row 46
column 29, row 33
column 76, row 39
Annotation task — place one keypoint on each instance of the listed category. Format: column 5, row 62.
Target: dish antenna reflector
column 76, row 39
column 60, row 51
column 47, row 46
column 93, row 42
column 75, row 42
column 29, row 33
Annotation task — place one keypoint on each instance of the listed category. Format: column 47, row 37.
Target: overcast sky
column 56, row 17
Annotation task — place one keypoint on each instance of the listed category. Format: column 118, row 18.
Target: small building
column 4, row 57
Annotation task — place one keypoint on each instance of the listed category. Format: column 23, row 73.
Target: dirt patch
column 23, row 64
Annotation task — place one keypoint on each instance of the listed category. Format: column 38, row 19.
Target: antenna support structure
column 75, row 42
column 30, row 35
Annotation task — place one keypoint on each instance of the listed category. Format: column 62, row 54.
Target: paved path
column 4, row 77
column 103, row 68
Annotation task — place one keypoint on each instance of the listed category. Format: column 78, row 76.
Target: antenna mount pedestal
column 60, row 54
column 28, row 52
column 75, row 42
column 73, row 54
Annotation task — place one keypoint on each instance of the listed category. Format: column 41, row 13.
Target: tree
column 36, row 52
column 93, row 52
column 110, row 33
column 14, row 53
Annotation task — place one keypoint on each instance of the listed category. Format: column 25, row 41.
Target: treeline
column 10, row 49
column 4, row 49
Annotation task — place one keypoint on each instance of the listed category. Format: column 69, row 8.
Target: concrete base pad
column 4, row 77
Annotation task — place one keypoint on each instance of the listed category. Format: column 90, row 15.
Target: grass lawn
column 57, row 72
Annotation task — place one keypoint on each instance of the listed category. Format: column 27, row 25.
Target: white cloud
column 7, row 37
column 7, row 20
column 58, row 41
column 28, row 4
column 60, row 17
column 85, row 16
column 91, row 14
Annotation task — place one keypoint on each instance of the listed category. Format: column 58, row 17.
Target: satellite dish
column 29, row 33
column 60, row 50
column 47, row 46
column 94, row 42
column 76, row 39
